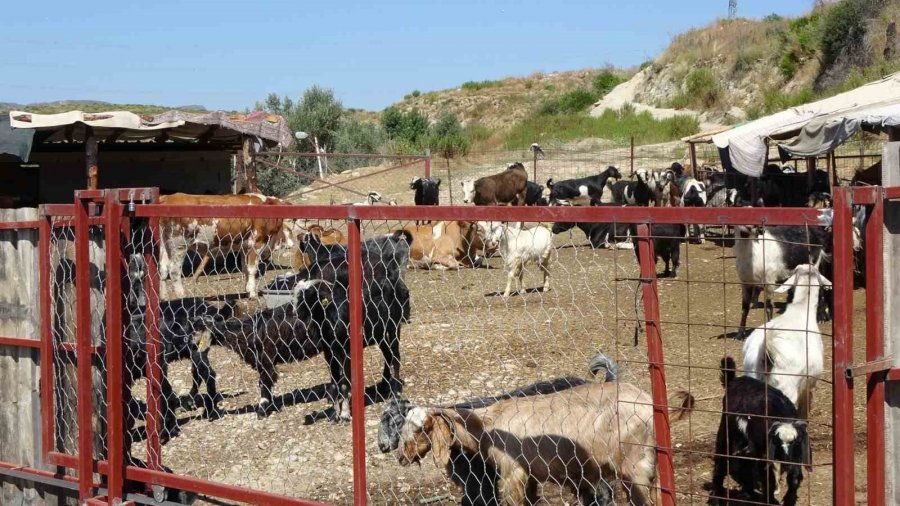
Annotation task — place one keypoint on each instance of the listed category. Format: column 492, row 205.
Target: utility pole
column 732, row 9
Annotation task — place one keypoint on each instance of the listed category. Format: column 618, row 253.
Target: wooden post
column 238, row 177
column 449, row 181
column 249, row 164
column 694, row 168
column 534, row 166
column 832, row 164
column 20, row 414
column 90, row 157
column 810, row 171
column 890, row 176
column 631, row 158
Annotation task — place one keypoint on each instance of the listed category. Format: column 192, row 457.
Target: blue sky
column 227, row 54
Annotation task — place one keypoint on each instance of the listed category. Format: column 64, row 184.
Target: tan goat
column 581, row 438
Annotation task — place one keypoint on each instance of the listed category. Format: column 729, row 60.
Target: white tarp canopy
column 820, row 124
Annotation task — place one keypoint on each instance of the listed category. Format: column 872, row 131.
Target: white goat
column 519, row 247
column 787, row 351
column 371, row 199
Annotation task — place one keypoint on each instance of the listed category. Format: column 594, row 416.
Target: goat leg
column 202, row 370
column 268, row 375
column 720, row 465
column 746, row 296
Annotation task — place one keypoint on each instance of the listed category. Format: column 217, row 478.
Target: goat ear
column 440, row 440
column 824, row 281
column 437, row 182
column 791, row 281
column 805, row 448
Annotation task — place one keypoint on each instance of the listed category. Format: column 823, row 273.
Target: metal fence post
column 45, row 278
column 83, row 349
column 357, row 377
column 114, row 361
column 844, row 441
column 656, row 365
column 428, row 164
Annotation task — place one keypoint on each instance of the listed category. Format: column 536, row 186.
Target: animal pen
column 101, row 412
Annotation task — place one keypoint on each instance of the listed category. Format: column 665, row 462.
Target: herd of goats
column 500, row 448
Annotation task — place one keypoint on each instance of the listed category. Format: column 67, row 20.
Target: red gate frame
column 114, row 217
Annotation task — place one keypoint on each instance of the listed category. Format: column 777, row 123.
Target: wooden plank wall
column 20, row 421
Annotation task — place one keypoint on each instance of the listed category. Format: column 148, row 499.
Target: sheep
column 667, row 239
column 766, row 257
column 787, row 351
column 583, row 437
column 760, row 437
column 476, row 477
column 518, row 247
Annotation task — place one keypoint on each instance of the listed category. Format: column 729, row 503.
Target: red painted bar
column 357, row 377
column 656, row 365
column 114, row 347
column 894, row 374
column 892, row 192
column 209, row 488
column 45, row 278
column 154, row 368
column 20, row 342
column 842, row 402
column 18, row 225
column 716, row 216
column 83, row 349
column 875, row 394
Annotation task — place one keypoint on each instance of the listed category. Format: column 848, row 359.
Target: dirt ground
column 465, row 341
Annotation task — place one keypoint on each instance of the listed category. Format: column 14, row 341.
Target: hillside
column 743, row 68
column 501, row 103
column 93, row 106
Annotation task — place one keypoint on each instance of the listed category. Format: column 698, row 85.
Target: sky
column 229, row 55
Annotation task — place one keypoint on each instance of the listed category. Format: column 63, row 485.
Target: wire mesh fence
column 504, row 349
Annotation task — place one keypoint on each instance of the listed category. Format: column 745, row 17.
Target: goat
column 371, row 199
column 427, row 192
column 632, row 193
column 386, row 306
column 760, row 437
column 518, row 247
column 667, row 239
column 722, row 197
column 534, row 194
column 507, row 187
column 693, row 194
column 585, row 190
column 477, row 478
column 787, row 351
column 766, row 257
column 604, row 432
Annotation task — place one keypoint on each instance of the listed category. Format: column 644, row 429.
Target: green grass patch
column 568, row 103
column 480, row 85
column 616, row 125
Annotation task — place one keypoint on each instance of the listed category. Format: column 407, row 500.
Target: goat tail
column 728, row 371
column 601, row 362
column 681, row 404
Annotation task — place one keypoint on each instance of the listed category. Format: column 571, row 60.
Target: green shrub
column 616, row 125
column 844, row 27
column 572, row 102
column 605, row 81
column 411, row 126
column 702, row 87
column 772, row 18
column 648, row 63
column 787, row 65
column 477, row 132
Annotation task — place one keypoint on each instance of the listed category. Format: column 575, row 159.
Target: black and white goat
column 582, row 191
column 760, row 437
column 765, row 257
column 534, row 194
column 632, row 193
column 693, row 194
column 601, row 235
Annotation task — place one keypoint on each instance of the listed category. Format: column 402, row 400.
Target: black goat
column 386, row 306
column 534, row 194
column 601, row 235
column 759, row 432
column 427, row 191
column 667, row 239
column 179, row 327
column 472, row 473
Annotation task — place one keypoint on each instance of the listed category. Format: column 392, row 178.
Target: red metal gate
column 97, row 448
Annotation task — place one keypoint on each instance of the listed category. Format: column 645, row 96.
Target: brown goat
column 582, row 438
column 327, row 236
column 507, row 187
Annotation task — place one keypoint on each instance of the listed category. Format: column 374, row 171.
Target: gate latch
column 874, row 366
